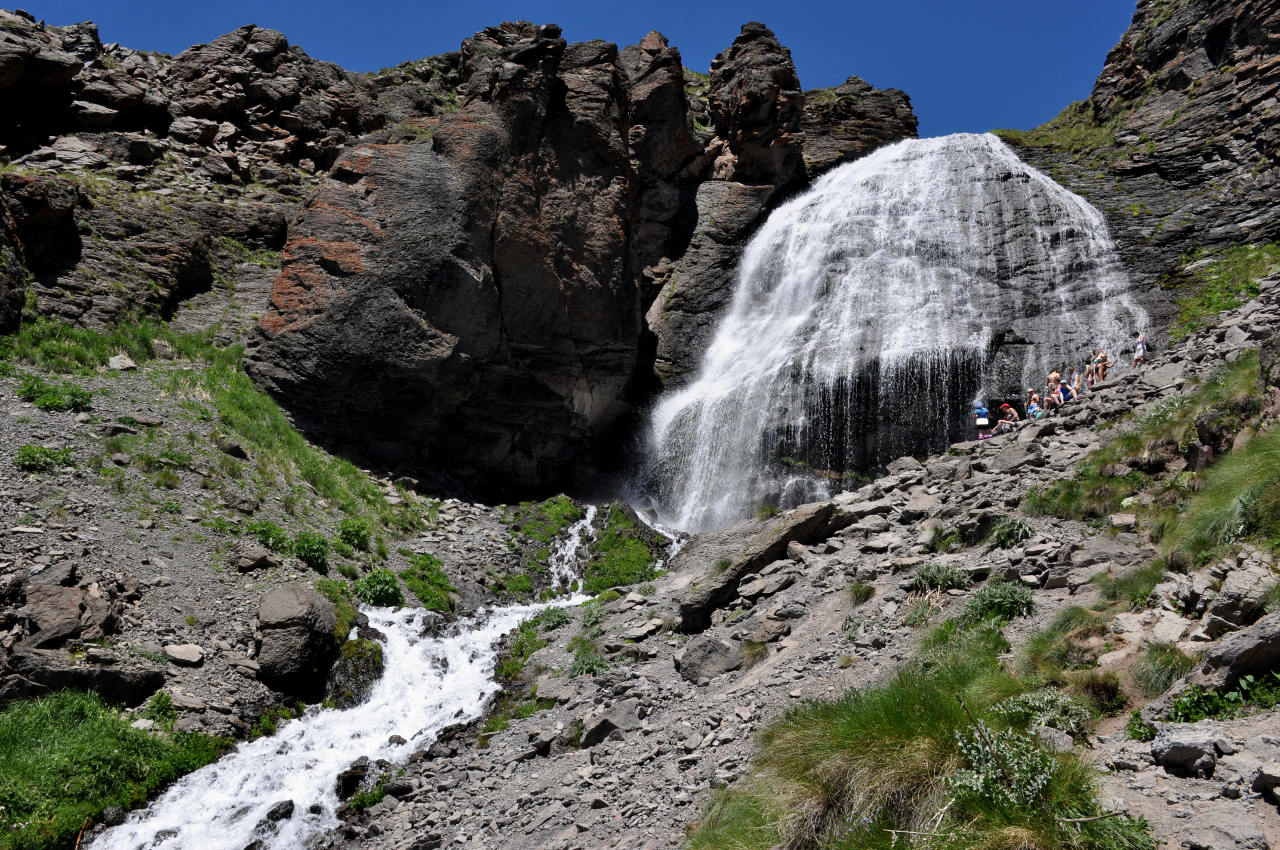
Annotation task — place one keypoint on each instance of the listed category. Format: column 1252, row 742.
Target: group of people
column 1057, row 392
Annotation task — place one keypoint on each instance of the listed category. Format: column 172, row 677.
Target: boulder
column 1015, row 456
column 298, row 644
column 1190, row 749
column 621, row 716
column 1243, row 595
column 34, row 672
column 353, row 676
column 706, row 657
column 184, row 654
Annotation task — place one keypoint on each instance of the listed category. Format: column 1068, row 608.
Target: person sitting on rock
column 1008, row 419
column 1139, row 348
column 1034, row 410
column 1074, row 386
column 1052, row 398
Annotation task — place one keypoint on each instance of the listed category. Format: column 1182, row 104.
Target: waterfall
column 871, row 311
column 563, row 560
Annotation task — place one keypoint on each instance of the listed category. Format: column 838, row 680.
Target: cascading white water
column 429, row 683
column 563, row 561
column 871, row 310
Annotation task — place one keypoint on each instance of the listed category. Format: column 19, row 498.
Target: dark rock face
column 298, row 645
column 472, row 306
column 851, row 120
column 13, row 278
column 1186, row 153
column 31, row 673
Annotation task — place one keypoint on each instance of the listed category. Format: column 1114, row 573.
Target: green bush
column 355, row 532
column 1197, row 703
column 1160, row 666
column 271, row 535
column 66, row 757
column 380, row 588
column 587, row 661
column 312, row 549
column 1007, row 770
column 53, row 397
column 1139, row 729
column 1046, row 707
column 426, row 579
column 999, row 600
column 939, row 577
column 553, row 618
column 524, row 643
column 40, row 459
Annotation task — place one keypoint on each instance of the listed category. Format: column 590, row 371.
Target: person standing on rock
column 1139, row 348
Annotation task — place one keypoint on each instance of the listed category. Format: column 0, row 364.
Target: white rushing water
column 429, row 683
column 563, row 561
column 868, row 314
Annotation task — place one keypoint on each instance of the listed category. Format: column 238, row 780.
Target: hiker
column 1139, row 348
column 1008, row 419
column 981, row 419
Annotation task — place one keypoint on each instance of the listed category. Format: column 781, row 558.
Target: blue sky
column 968, row 66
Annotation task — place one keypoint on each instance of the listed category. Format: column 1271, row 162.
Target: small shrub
column 348, row 571
column 312, row 549
column 767, row 510
column 1138, row 729
column 587, row 661
column 355, row 532
column 270, row 535
column 553, row 618
column 1197, row 703
column 53, row 397
column 526, row 641
column 999, row 600
column 31, row 458
column 1046, row 707
column 362, row 800
column 380, row 588
column 1010, row 533
column 860, row 592
column 593, row 614
column 167, row 478
column 939, row 577
column 171, row 506
column 1160, row 666
column 990, row 754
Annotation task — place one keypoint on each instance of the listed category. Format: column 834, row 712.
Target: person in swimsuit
column 1099, row 365
column 1008, row 419
column 1139, row 348
column 1034, row 410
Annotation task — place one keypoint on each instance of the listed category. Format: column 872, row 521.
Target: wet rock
column 282, row 810
column 358, row 668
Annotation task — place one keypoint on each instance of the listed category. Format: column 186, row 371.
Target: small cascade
column 869, row 314
column 565, row 558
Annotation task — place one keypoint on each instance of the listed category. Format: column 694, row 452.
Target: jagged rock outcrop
column 851, row 120
column 470, row 305
column 1178, row 143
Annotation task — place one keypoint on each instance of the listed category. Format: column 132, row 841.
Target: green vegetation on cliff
column 65, row 758
column 1208, row 284
column 619, row 556
column 1075, row 130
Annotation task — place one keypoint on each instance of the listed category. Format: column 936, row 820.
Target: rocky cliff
column 1178, row 143
column 472, row 305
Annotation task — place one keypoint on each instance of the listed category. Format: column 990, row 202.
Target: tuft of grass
column 380, row 588
column 426, row 579
column 31, row 458
column 587, row 661
column 1134, row 588
column 355, row 532
column 1001, row 601
column 1160, row 666
column 271, row 535
column 934, row 576
column 860, row 592
column 768, row 510
column 1010, row 532
column 66, row 757
column 525, row 642
column 1138, row 729
column 1249, row 692
column 1065, row 644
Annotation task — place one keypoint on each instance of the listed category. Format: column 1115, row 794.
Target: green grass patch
column 619, row 555
column 525, row 642
column 860, row 592
column 1010, row 533
column 31, row 458
column 1219, row 282
column 1249, row 693
column 271, row 535
column 1066, row 644
column 426, row 579
column 1075, row 130
column 1000, row 601
column 931, row 751
column 53, row 397
column 1160, row 666
column 66, row 757
column 355, row 532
